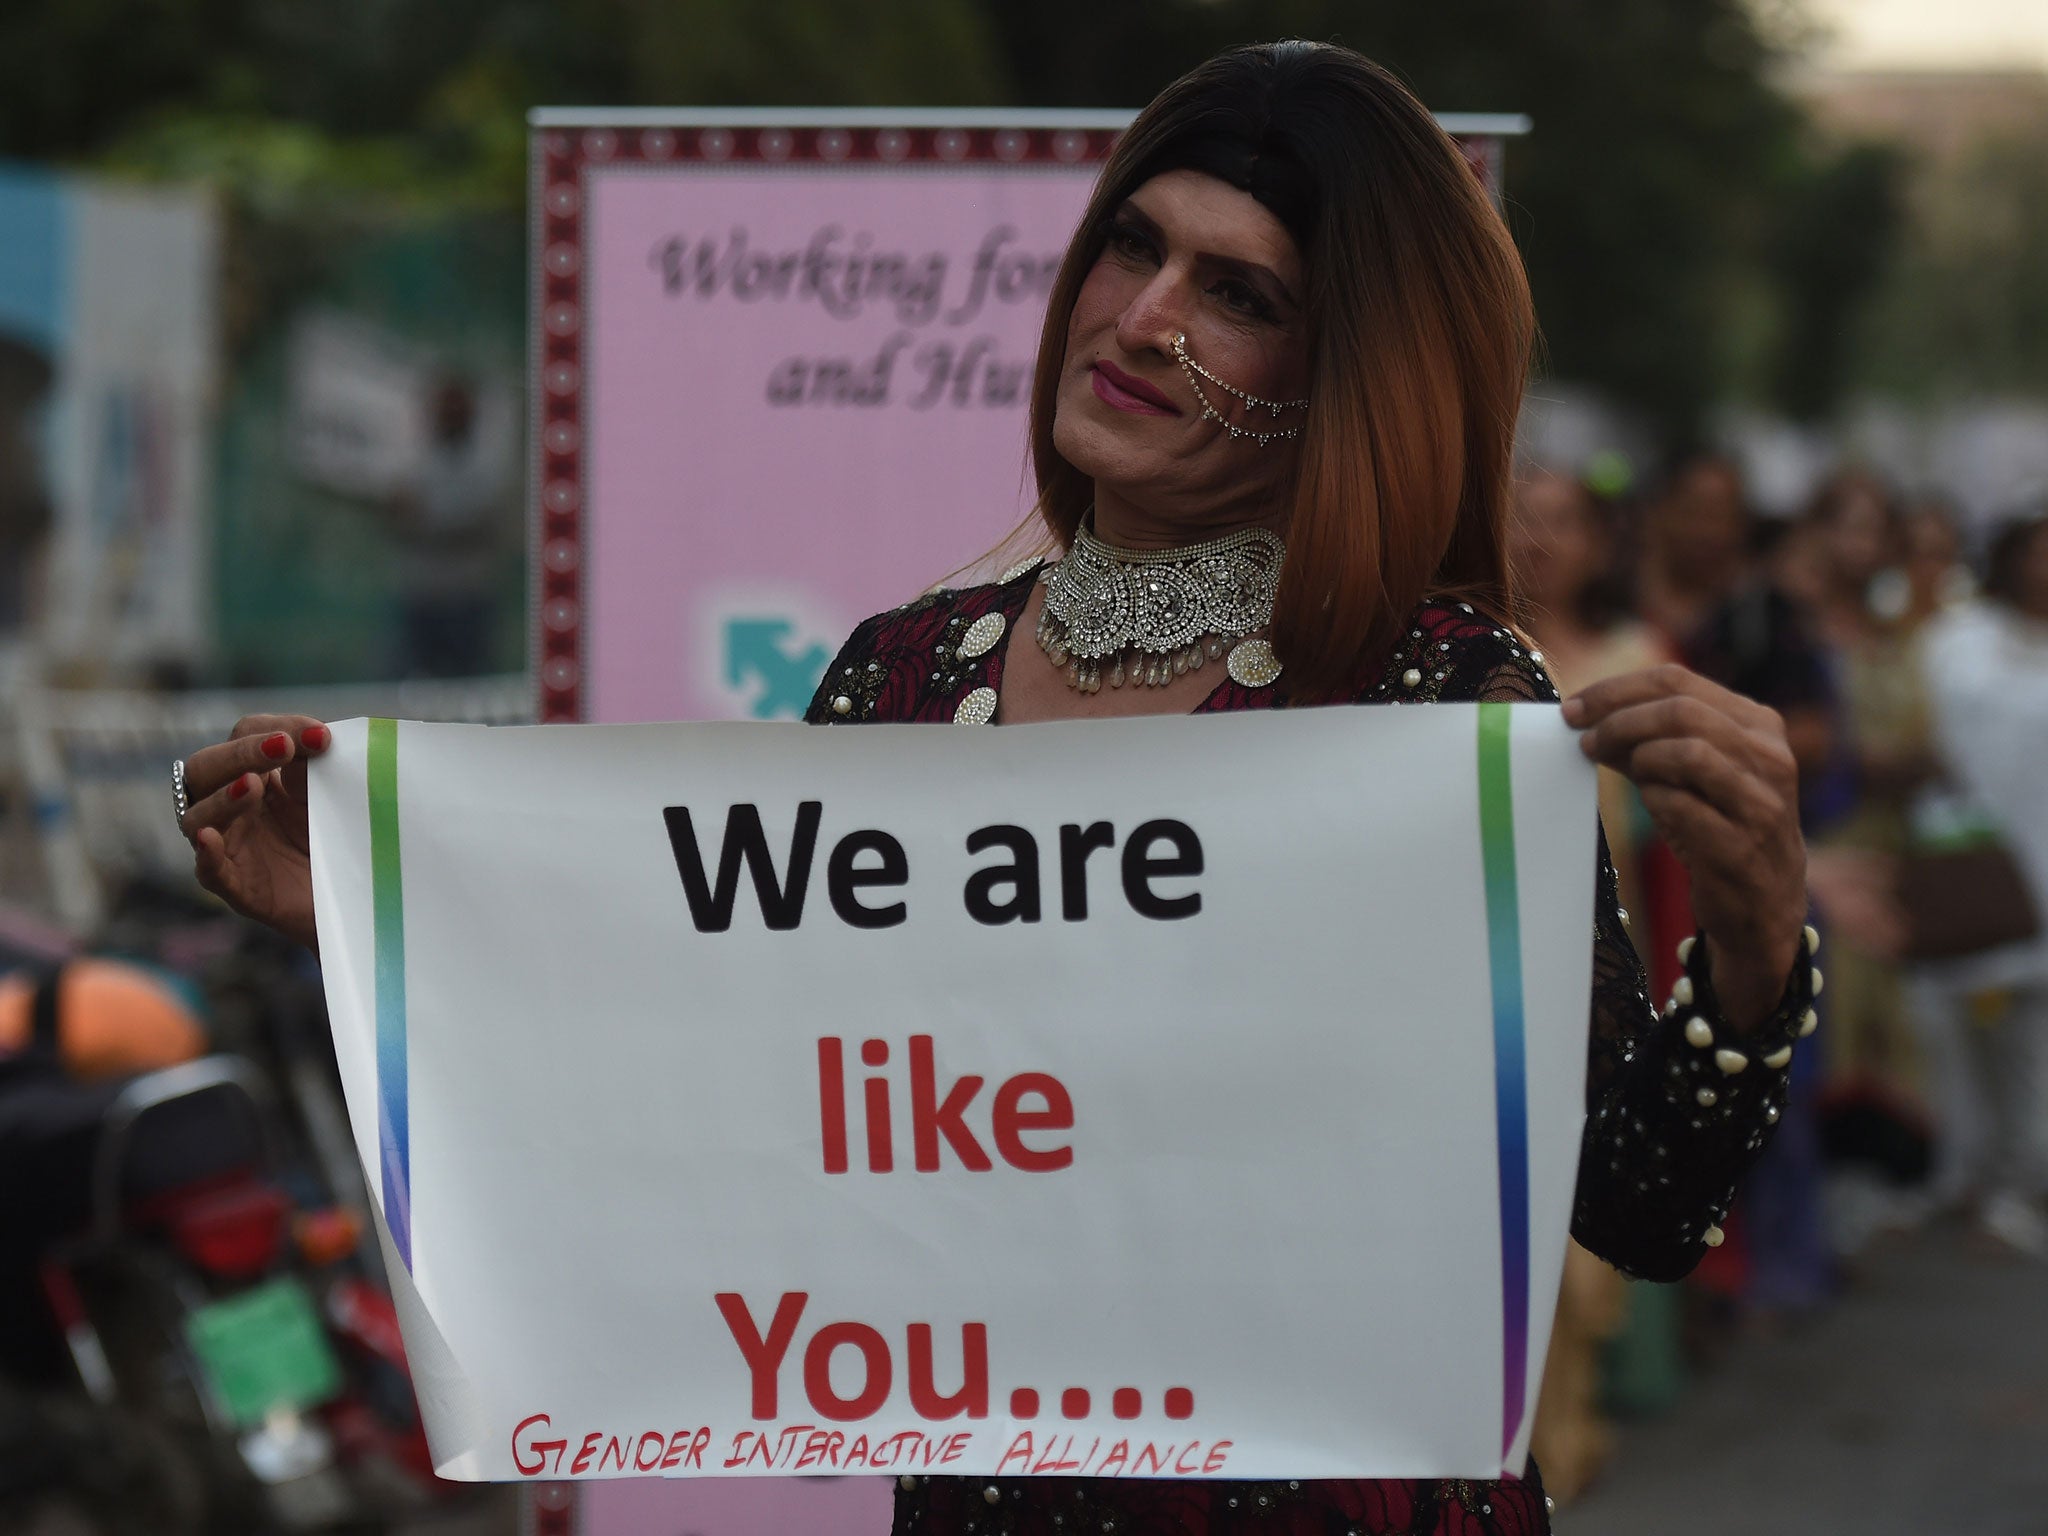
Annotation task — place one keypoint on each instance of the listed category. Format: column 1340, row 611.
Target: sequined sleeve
column 855, row 677
column 1677, row 1110
column 920, row 661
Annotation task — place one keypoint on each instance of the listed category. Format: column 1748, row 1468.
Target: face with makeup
column 1184, row 254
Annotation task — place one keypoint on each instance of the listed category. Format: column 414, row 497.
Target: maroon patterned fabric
column 1657, row 1168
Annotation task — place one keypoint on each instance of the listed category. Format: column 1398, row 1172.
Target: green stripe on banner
column 387, row 898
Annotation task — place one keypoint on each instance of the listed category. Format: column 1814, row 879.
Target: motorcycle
column 268, row 1006
column 216, row 1299
column 183, row 1306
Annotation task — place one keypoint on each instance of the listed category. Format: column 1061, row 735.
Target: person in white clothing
column 1987, row 1015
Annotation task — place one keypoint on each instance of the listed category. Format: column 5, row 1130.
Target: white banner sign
column 1159, row 1098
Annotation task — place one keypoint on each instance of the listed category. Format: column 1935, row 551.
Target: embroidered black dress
column 1668, row 1133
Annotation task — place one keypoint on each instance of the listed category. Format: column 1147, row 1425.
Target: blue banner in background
column 35, row 263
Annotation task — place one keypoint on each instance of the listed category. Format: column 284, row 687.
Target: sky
column 1935, row 34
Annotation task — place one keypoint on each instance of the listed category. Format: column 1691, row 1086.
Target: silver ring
column 178, row 800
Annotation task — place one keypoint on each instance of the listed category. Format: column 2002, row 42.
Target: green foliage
column 1965, row 308
column 1838, row 224
column 278, row 166
column 72, row 76
column 1640, row 199
column 1651, row 202
column 822, row 52
column 1643, row 200
column 278, row 97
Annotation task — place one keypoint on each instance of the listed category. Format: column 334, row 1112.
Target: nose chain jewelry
column 1252, row 402
column 1154, row 615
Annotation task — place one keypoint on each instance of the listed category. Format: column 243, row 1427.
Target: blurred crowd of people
column 1913, row 681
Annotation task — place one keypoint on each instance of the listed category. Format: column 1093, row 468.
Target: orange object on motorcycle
column 327, row 1236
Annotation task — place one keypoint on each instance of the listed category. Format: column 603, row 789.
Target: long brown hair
column 1419, row 326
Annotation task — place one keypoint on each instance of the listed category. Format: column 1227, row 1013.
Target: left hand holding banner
column 1153, row 1097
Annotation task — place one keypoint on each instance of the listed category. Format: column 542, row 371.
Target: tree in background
column 1833, row 240
column 1964, row 309
column 1644, row 201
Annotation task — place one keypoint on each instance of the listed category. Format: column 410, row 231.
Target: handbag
column 1963, row 900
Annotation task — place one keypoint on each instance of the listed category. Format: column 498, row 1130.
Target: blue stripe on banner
column 1511, row 1094
column 387, row 897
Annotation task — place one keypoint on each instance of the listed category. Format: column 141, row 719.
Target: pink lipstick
column 1115, row 387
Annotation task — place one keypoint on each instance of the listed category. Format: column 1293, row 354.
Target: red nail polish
column 240, row 788
column 315, row 737
column 277, row 747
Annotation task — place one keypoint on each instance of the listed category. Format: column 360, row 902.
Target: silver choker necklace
column 1152, row 615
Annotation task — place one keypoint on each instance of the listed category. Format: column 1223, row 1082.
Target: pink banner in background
column 784, row 386
column 809, row 404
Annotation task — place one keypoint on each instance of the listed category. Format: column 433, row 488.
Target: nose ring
column 1252, row 402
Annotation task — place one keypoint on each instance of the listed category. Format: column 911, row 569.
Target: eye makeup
column 1247, row 287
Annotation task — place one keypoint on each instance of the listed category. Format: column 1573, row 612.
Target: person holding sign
column 1272, row 423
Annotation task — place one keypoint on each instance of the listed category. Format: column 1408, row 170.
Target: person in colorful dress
column 1272, row 423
